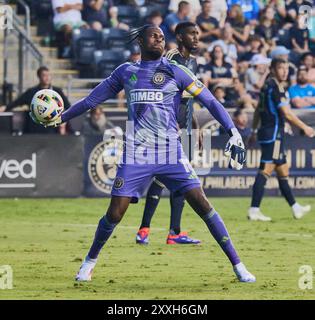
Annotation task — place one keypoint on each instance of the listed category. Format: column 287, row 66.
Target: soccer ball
column 46, row 106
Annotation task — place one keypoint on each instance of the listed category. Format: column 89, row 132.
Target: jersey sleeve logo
column 158, row 78
column 195, row 88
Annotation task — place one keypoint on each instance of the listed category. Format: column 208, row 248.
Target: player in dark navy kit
column 273, row 111
column 187, row 40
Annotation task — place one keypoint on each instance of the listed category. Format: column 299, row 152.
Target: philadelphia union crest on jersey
column 102, row 164
column 158, row 78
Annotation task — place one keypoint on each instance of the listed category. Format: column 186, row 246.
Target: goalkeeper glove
column 54, row 123
column 235, row 149
column 57, row 122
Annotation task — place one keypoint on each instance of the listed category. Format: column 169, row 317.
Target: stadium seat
column 113, row 38
column 105, row 61
column 128, row 15
column 44, row 13
column 84, row 44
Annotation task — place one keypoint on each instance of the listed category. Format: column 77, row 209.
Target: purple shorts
column 133, row 179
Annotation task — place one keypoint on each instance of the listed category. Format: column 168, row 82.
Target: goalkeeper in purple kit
column 153, row 88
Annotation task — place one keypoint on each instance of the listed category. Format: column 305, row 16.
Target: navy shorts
column 273, row 152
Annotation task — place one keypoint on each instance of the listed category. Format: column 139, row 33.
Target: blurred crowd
column 238, row 39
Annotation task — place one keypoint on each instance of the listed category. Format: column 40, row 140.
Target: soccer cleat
column 254, row 214
column 300, row 211
column 181, row 238
column 143, row 236
column 243, row 275
column 86, row 270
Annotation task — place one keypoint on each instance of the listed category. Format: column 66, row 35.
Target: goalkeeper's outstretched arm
column 107, row 89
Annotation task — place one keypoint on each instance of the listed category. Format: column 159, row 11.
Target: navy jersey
column 185, row 110
column 272, row 98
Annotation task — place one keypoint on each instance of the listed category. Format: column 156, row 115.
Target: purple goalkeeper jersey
column 153, row 90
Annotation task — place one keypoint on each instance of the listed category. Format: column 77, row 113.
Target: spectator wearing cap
column 250, row 8
column 283, row 53
column 94, row 14
column 67, row 17
column 256, row 76
column 208, row 25
column 302, row 94
column 308, row 60
column 239, row 27
column 218, row 70
column 172, row 20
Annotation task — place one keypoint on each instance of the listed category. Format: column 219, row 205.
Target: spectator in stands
column 219, row 10
column 94, row 123
column 293, row 8
column 302, row 94
column 195, row 8
column 94, row 14
column 300, row 36
column 218, row 70
column 220, row 94
column 240, row 120
column 239, row 26
column 155, row 18
column 113, row 19
column 171, row 21
column 308, row 60
column 67, row 16
column 230, row 44
column 255, row 46
column 250, row 8
column 283, row 53
column 208, row 25
column 256, row 76
column 44, row 78
column 268, row 27
column 238, row 97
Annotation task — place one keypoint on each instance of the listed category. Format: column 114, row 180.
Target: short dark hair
column 40, row 70
column 182, row 4
column 238, row 112
column 181, row 27
column 276, row 61
column 304, row 55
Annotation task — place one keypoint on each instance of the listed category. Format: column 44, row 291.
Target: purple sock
column 218, row 230
column 103, row 232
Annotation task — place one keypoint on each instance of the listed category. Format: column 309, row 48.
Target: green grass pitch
column 44, row 241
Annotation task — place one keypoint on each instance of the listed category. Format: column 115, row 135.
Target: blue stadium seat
column 113, row 38
column 128, row 15
column 84, row 44
column 105, row 61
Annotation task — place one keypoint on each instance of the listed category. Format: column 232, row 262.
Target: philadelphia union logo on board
column 102, row 164
column 158, row 78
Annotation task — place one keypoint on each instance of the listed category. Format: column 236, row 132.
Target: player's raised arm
column 235, row 146
column 107, row 89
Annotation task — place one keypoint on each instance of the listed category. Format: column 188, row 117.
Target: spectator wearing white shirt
column 67, row 16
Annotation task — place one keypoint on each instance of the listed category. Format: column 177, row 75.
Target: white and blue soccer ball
column 46, row 106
